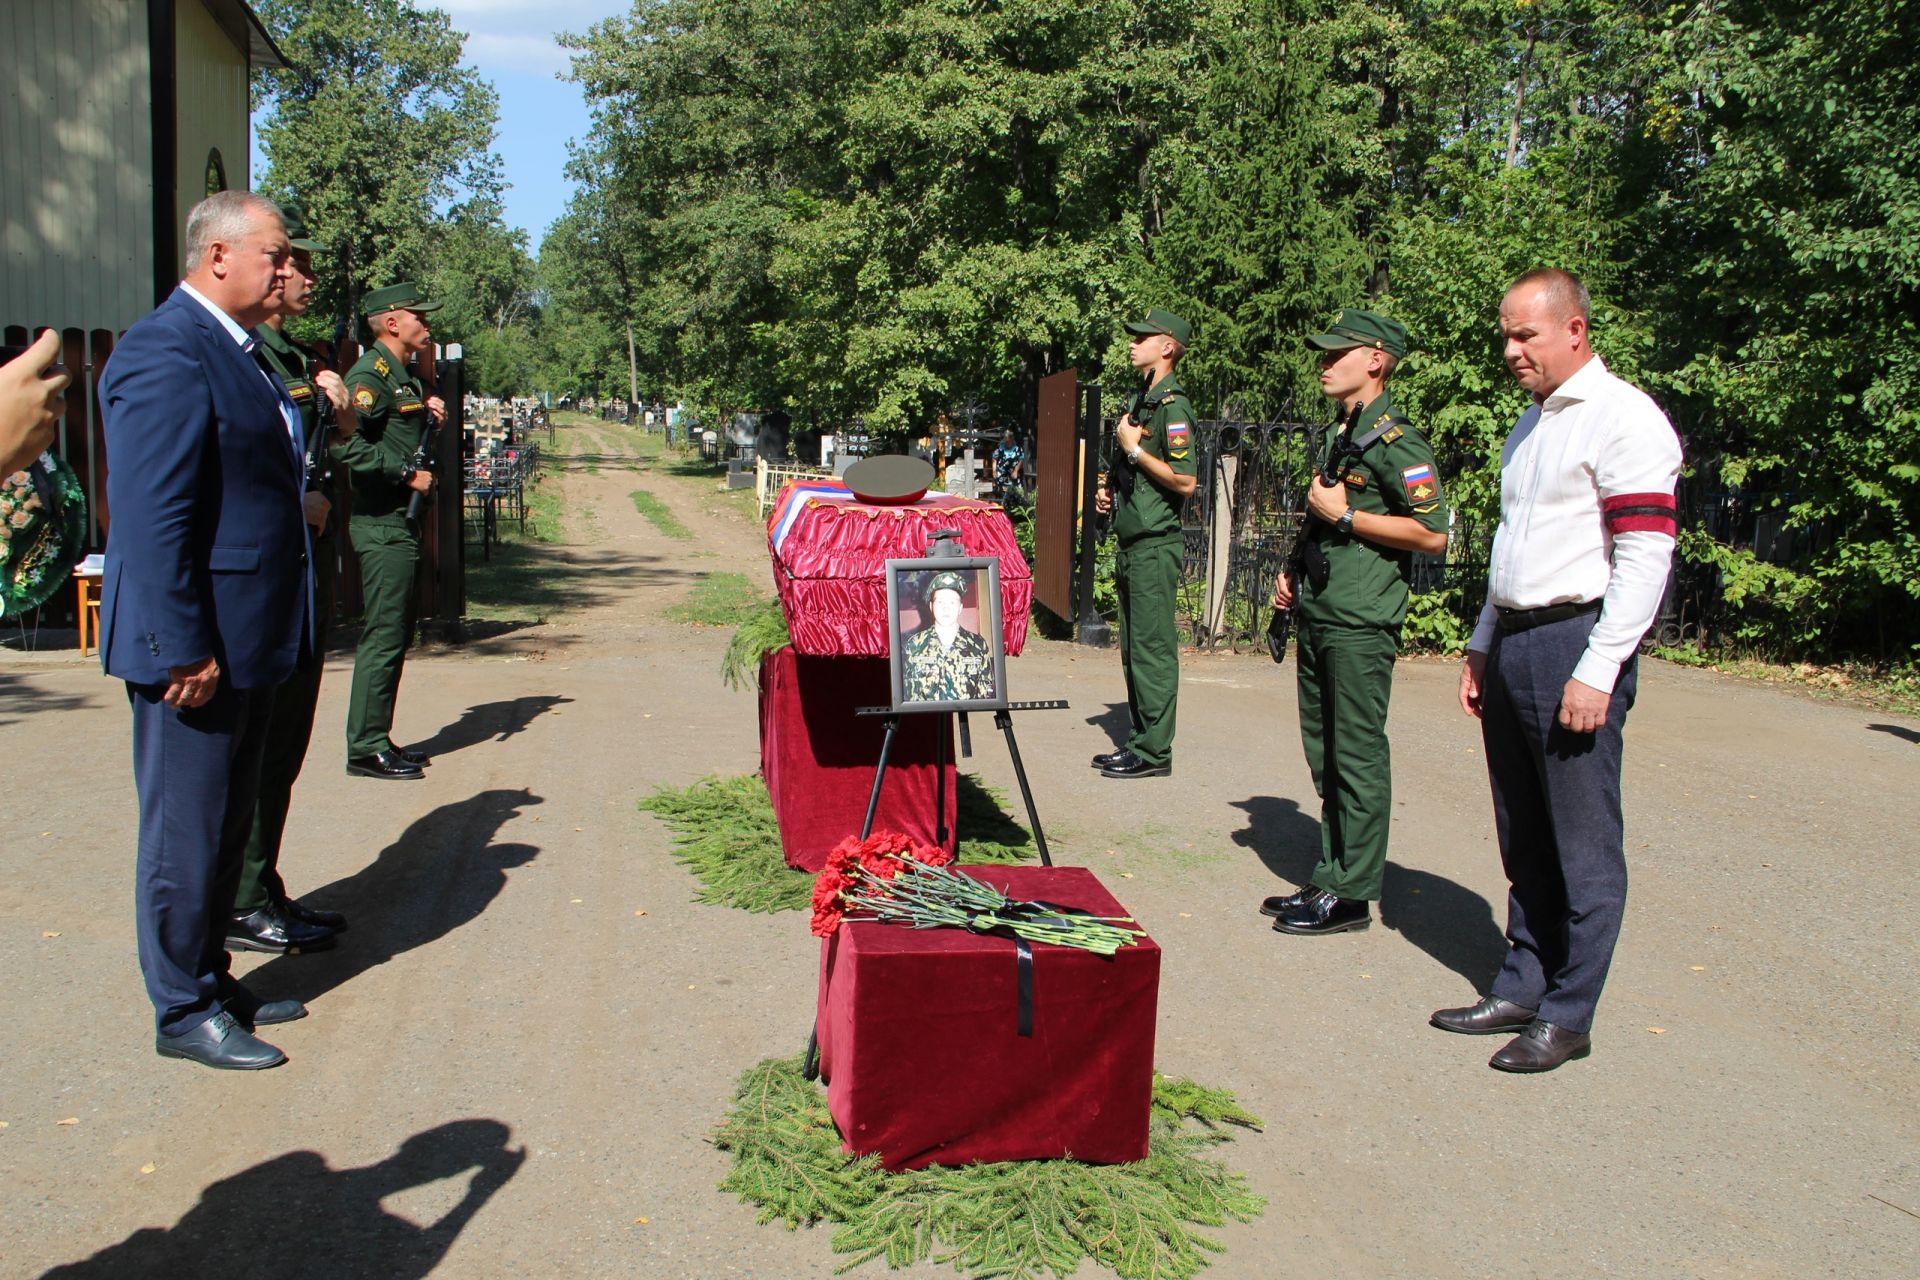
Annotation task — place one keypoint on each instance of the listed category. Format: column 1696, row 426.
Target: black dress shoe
column 1280, row 906
column 294, row 909
column 271, row 930
column 382, row 764
column 251, row 1011
column 1128, row 765
column 1108, row 758
column 418, row 759
column 1324, row 913
column 1490, row 1017
column 220, row 1042
column 1542, row 1047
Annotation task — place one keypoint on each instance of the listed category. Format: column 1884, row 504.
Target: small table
column 921, row 1050
column 86, row 586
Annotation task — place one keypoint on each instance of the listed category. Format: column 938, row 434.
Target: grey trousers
column 1556, row 805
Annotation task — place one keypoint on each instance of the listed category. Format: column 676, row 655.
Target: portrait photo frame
column 955, row 662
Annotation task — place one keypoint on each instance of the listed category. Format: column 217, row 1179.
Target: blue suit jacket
column 207, row 551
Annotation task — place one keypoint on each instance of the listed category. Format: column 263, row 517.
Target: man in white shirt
column 1580, row 562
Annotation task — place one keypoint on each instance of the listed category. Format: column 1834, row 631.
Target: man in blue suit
column 205, row 607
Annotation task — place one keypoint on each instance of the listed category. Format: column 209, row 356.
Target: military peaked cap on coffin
column 1163, row 321
column 1354, row 328
column 891, row 479
column 947, row 580
column 405, row 296
column 296, row 219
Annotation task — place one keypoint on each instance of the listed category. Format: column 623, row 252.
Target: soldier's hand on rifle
column 1329, row 502
column 329, row 381
column 438, row 408
column 422, row 482
column 316, row 507
column 1127, row 435
column 1282, row 592
column 1102, row 501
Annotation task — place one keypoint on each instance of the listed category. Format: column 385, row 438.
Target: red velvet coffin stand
column 921, row 1051
column 817, row 756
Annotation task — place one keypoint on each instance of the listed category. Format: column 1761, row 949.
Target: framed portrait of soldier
column 945, row 644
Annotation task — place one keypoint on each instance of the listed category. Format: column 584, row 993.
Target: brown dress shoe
column 1542, row 1047
column 1490, row 1017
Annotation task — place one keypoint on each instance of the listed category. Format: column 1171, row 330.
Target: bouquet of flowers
column 889, row 877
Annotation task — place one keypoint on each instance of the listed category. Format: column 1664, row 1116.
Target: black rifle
column 1118, row 474
column 1305, row 557
column 422, row 461
column 319, row 468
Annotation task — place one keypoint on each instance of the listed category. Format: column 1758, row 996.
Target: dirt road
column 515, row 1055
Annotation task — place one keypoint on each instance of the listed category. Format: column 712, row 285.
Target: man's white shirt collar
column 1583, row 385
column 239, row 335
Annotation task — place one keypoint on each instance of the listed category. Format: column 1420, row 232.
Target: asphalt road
column 516, row 1055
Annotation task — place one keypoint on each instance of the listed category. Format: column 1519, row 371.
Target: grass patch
column 522, row 581
column 725, row 833
column 720, row 600
column 1016, row 1219
column 656, row 511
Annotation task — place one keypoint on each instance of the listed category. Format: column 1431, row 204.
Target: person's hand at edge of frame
column 32, row 400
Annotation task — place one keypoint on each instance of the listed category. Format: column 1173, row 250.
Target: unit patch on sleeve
column 1419, row 482
column 1179, row 439
column 363, row 398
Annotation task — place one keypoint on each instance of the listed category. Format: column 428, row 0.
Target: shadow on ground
column 490, row 722
column 1897, row 730
column 534, row 580
column 443, row 871
column 295, row 1217
column 1448, row 921
column 1113, row 722
column 21, row 697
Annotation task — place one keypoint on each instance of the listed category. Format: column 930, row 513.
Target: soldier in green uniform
column 945, row 662
column 1153, row 477
column 394, row 412
column 1350, row 604
column 264, row 917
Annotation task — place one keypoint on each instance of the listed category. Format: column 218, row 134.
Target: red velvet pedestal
column 920, row 1043
column 818, row 757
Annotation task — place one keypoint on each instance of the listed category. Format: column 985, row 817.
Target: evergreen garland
column 725, row 833
column 762, row 632
column 1021, row 1219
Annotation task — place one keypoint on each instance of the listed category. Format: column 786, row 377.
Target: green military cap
column 405, row 296
column 947, row 580
column 296, row 219
column 1162, row 321
column 1354, row 328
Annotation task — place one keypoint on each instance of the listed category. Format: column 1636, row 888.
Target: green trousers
column 389, row 561
column 1147, row 574
column 289, row 728
column 1346, row 678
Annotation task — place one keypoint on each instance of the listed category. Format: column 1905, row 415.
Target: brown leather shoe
column 1490, row 1017
column 1542, row 1047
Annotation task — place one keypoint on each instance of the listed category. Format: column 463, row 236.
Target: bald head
column 1543, row 328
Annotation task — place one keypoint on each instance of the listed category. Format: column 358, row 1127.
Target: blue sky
column 510, row 42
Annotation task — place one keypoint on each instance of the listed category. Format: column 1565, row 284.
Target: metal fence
column 496, row 489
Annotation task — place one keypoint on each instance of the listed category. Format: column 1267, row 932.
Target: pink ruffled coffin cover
column 830, row 553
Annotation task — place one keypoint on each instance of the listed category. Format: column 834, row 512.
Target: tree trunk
column 1519, row 101
column 633, row 369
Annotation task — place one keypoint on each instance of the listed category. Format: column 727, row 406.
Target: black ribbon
column 1023, row 969
column 1023, row 951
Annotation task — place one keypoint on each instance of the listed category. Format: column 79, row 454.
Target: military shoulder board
column 381, row 367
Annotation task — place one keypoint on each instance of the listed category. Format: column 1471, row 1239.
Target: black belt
column 1508, row 621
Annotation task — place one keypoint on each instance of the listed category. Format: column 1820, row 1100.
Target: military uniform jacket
column 287, row 361
column 392, row 411
column 1150, row 511
column 1395, row 476
column 963, row 673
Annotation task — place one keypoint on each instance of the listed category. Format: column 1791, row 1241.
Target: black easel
column 1003, row 720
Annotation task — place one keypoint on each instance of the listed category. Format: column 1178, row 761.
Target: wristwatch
column 1345, row 523
column 1133, row 454
column 408, row 472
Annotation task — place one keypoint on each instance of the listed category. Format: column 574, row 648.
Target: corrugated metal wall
column 76, row 190
column 212, row 112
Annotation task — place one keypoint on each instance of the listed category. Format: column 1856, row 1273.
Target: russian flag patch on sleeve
column 1419, row 482
column 1178, row 438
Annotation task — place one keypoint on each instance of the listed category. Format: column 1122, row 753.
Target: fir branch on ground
column 718, row 600
column 725, row 833
column 655, row 510
column 1021, row 1220
column 759, row 634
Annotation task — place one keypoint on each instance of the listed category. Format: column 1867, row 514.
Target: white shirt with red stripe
column 1586, row 513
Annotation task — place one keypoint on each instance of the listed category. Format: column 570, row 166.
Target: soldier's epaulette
column 381, row 367
column 1392, row 433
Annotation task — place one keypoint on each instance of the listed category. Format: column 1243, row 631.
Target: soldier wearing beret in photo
column 1351, row 602
column 393, row 411
column 1153, row 477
